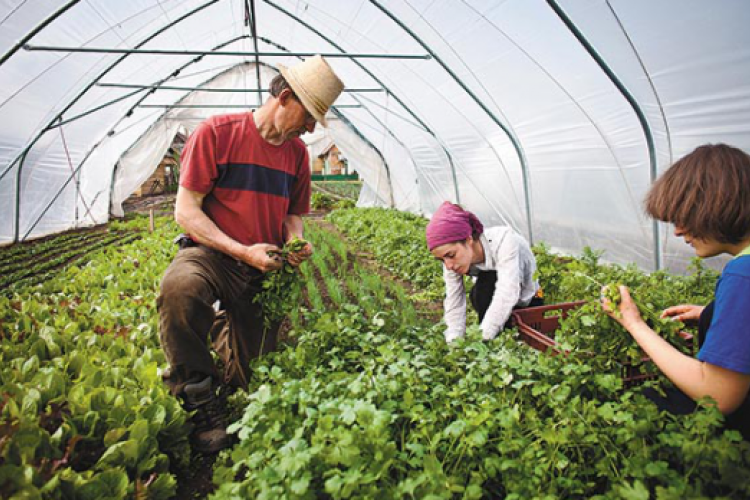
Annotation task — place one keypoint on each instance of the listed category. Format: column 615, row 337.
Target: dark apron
column 678, row 403
column 482, row 292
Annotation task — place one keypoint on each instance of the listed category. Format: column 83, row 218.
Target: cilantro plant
column 281, row 288
column 366, row 401
column 370, row 402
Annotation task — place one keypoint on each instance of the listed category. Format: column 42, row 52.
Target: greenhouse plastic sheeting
column 551, row 116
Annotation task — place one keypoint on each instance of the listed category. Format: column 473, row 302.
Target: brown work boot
column 209, row 434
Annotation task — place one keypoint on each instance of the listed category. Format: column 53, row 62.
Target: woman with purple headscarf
column 500, row 260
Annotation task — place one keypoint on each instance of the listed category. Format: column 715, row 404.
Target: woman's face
column 456, row 256
column 704, row 248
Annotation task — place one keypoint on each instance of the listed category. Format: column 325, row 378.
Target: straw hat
column 316, row 85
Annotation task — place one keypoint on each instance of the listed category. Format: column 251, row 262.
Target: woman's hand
column 684, row 312
column 628, row 316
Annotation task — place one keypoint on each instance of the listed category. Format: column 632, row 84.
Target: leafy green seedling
column 612, row 293
column 281, row 288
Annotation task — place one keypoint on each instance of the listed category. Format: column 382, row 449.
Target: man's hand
column 684, row 312
column 263, row 256
column 297, row 258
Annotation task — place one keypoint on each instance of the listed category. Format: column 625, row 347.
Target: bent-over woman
column 499, row 258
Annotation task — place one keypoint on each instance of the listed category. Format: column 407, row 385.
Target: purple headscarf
column 451, row 223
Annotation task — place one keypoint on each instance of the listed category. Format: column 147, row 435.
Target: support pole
column 31, row 34
column 374, row 77
column 254, row 34
column 204, row 89
column 633, row 104
column 231, row 53
column 508, row 132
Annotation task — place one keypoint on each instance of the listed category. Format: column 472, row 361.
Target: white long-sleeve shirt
column 507, row 253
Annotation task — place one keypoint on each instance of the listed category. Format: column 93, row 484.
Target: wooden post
column 151, row 220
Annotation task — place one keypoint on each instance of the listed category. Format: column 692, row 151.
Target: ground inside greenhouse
column 197, row 481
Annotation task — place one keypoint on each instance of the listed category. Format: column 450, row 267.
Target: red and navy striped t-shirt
column 251, row 185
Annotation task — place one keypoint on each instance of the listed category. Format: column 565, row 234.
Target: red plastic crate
column 537, row 327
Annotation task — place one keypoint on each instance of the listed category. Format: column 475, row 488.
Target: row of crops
column 68, row 249
column 328, row 195
column 364, row 400
column 369, row 401
column 341, row 189
column 84, row 413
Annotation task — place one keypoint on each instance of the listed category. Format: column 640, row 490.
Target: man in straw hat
column 244, row 184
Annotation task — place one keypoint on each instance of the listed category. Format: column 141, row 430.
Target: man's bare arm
column 190, row 215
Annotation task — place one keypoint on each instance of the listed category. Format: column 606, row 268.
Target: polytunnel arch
column 22, row 156
column 633, row 103
column 127, row 113
column 581, row 109
column 684, row 69
column 514, row 140
column 161, row 132
column 173, row 74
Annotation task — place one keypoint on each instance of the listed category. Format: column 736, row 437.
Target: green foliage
column 84, row 412
column 589, row 332
column 371, row 403
column 281, row 288
column 321, row 201
column 374, row 408
column 397, row 240
column 344, row 204
column 345, row 189
column 52, row 253
column 367, row 402
column 566, row 278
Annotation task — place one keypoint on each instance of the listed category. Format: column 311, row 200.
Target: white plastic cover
column 511, row 116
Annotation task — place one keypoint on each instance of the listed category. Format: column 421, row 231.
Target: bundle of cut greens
column 281, row 288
